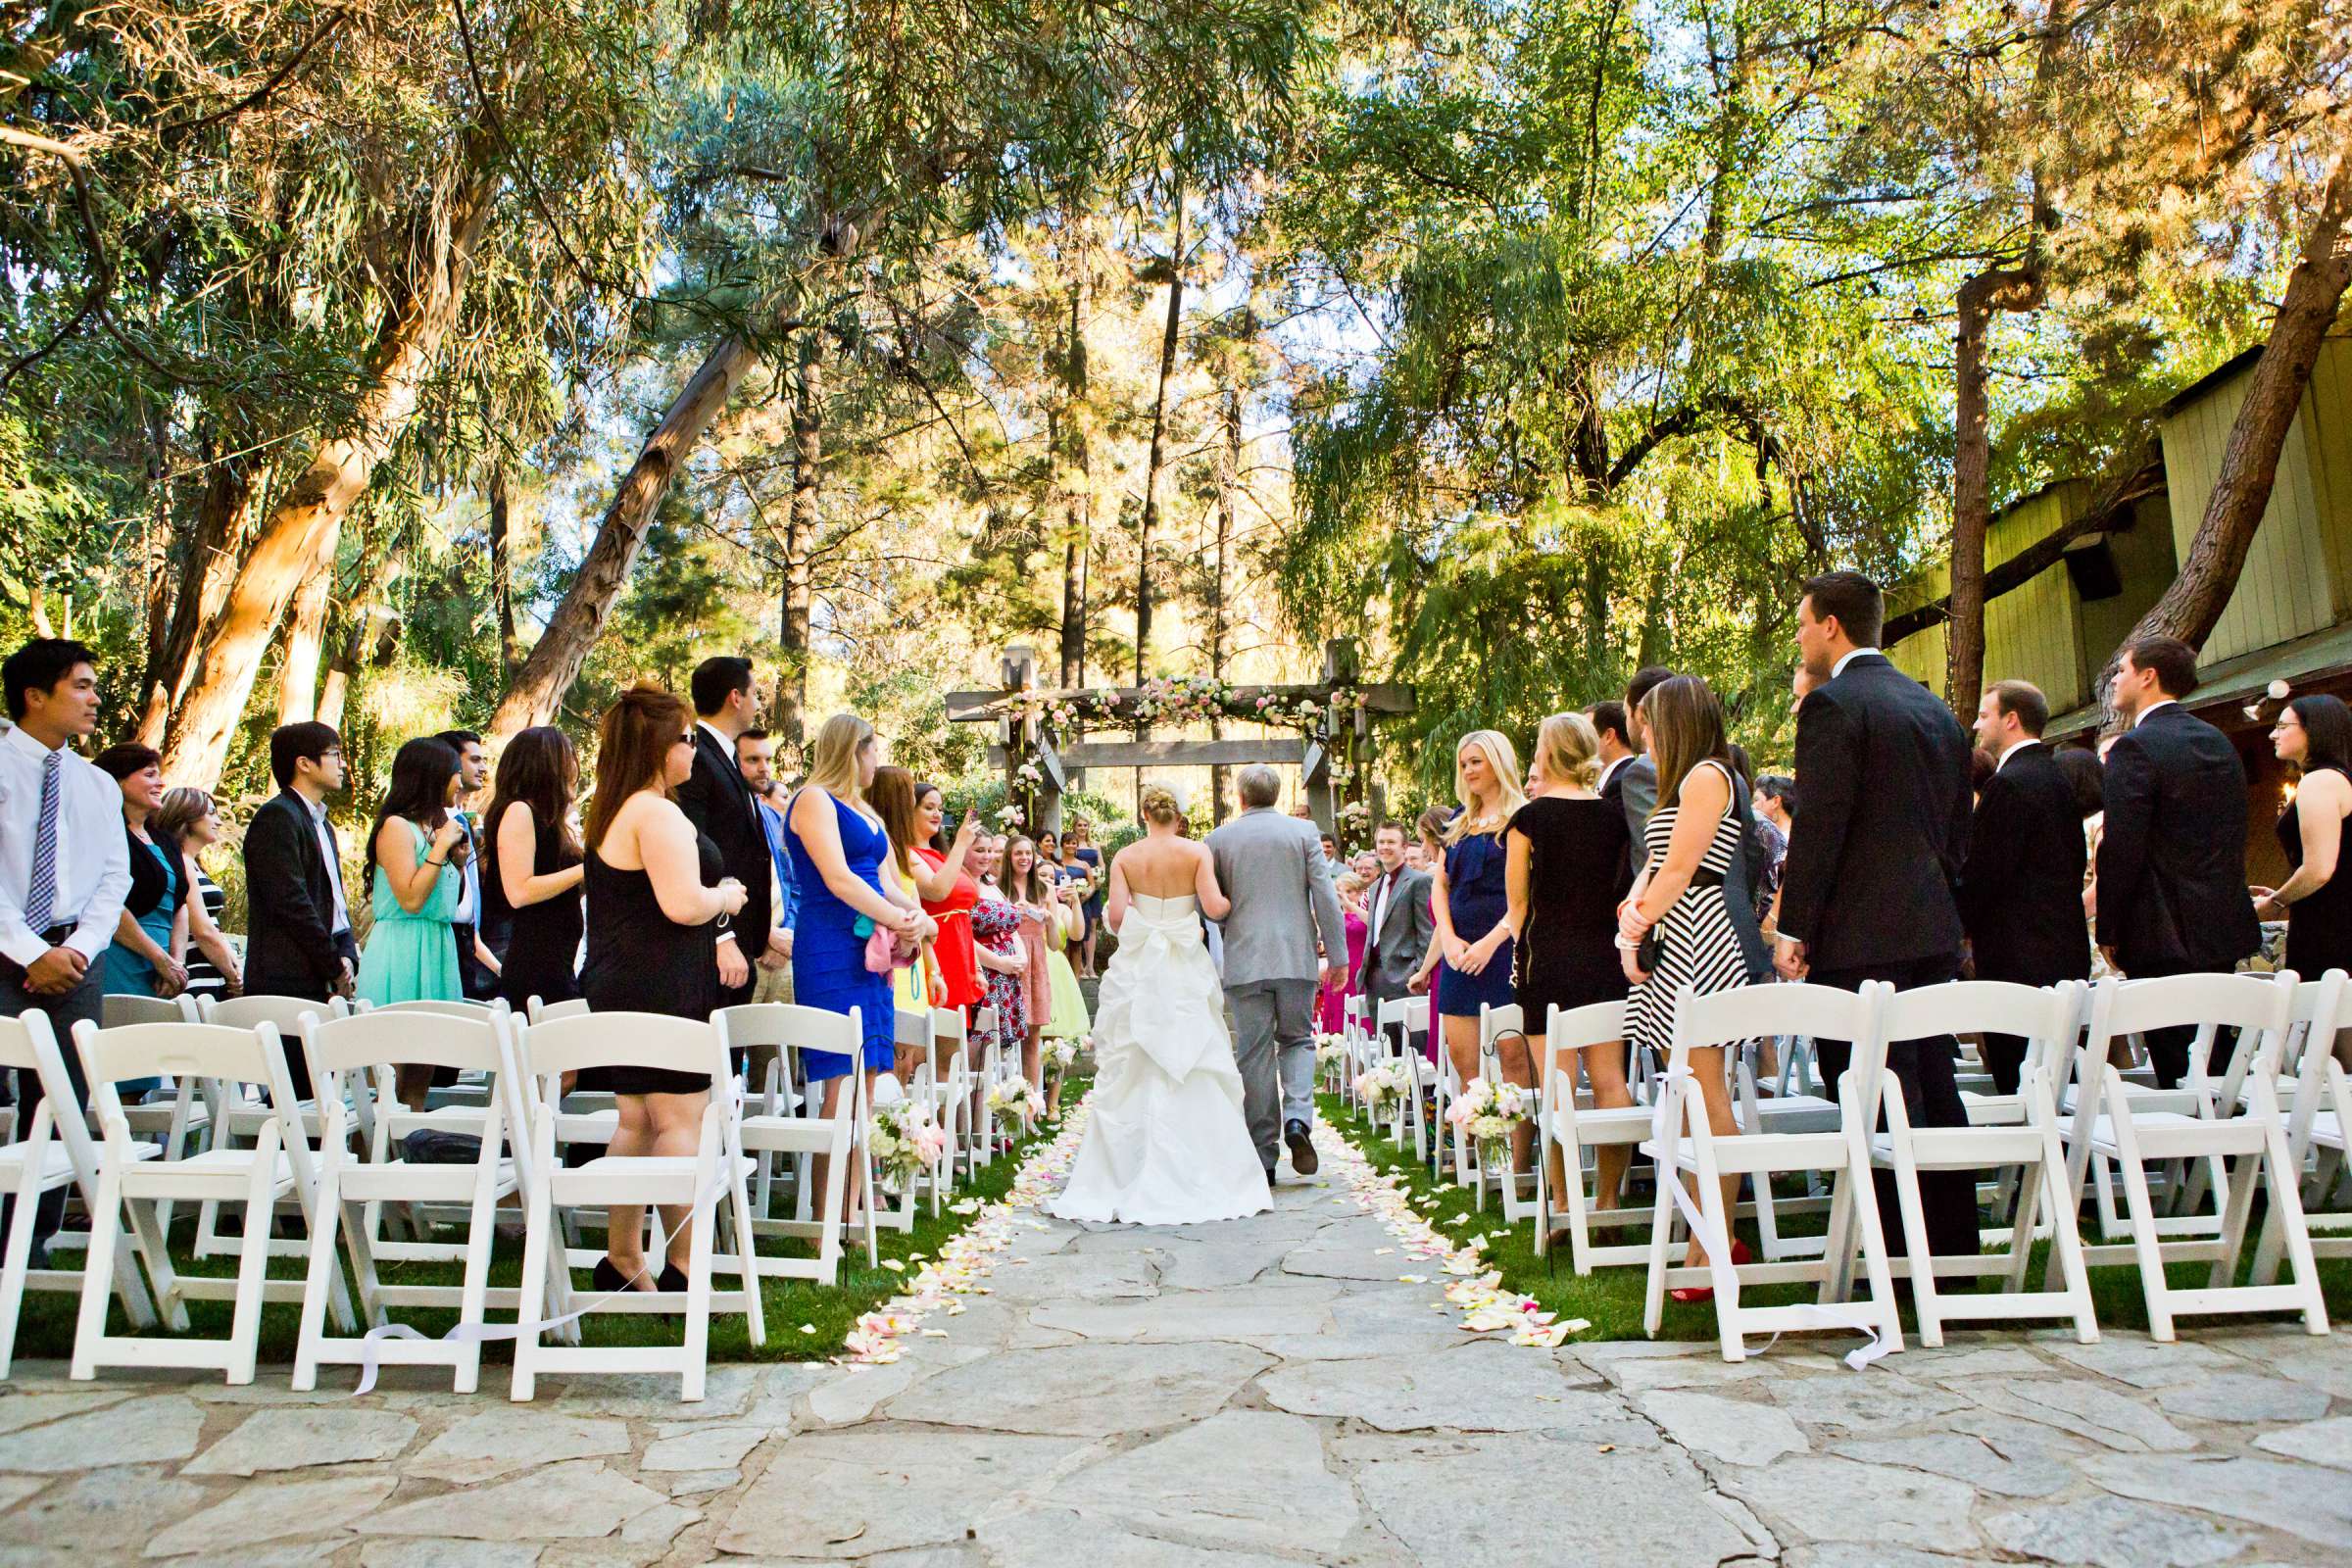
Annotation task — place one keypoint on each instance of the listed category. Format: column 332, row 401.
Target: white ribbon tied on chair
column 1674, row 1083
column 371, row 1342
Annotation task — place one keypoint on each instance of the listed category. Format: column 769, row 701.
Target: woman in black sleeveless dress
column 2315, row 733
column 653, row 947
column 1568, row 867
column 537, row 900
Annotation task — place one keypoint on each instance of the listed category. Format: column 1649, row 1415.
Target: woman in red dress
column 949, row 893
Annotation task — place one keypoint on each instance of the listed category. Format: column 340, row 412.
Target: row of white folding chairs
column 2050, row 1148
column 483, row 1046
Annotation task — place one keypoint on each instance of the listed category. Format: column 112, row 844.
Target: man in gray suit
column 1272, row 868
column 1396, row 904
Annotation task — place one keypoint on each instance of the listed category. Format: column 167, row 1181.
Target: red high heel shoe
column 1706, row 1293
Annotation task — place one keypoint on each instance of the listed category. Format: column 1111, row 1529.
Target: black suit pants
column 1924, row 1069
column 2168, row 1049
column 63, row 1010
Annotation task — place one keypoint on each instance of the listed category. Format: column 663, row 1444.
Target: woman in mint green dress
column 411, row 953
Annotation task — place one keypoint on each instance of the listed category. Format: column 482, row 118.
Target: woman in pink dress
column 1332, row 1005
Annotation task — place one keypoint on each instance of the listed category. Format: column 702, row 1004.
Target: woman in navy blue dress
column 1469, row 896
column 837, row 844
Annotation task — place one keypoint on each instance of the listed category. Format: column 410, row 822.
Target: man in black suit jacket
column 297, row 922
column 720, row 804
column 2173, row 894
column 2021, row 896
column 1867, row 889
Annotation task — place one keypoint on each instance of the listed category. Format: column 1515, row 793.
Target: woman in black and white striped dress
column 194, row 817
column 1691, row 843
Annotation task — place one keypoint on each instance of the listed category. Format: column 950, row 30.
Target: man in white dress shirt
column 478, row 946
column 65, row 864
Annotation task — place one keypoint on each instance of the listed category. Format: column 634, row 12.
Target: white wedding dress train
column 1166, row 1142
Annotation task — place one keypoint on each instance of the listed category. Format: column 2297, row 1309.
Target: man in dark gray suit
column 1283, row 934
column 1396, row 904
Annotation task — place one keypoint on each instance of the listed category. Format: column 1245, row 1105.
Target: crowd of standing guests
column 692, row 878
column 1640, row 854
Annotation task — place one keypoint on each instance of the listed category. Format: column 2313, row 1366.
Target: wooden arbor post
column 1023, row 739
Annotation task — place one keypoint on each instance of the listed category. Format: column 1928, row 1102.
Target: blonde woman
column 1470, row 902
column 838, row 844
column 1691, row 844
column 1566, row 870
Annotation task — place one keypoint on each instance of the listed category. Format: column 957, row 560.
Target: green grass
column 831, row 1310
column 1611, row 1297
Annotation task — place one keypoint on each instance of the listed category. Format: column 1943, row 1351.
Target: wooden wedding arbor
column 1038, row 744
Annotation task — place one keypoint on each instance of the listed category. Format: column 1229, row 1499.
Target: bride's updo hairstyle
column 1159, row 804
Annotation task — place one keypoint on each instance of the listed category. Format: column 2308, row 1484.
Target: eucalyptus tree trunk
column 1159, row 451
column 307, row 521
column 306, row 633
column 502, row 567
column 1073, row 467
column 802, row 528
column 207, row 567
column 2018, row 290
column 359, row 630
column 537, row 689
column 1220, row 625
column 2241, row 490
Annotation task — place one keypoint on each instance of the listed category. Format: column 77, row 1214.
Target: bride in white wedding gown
column 1165, row 1140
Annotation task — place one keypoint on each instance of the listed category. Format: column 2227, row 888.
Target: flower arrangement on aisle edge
column 1061, row 1053
column 1017, row 1098
column 1330, row 1047
column 1381, row 1087
column 907, row 1140
column 1490, row 1112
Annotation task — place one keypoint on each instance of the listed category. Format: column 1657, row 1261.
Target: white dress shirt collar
column 2141, row 718
column 2031, row 740
column 1838, row 668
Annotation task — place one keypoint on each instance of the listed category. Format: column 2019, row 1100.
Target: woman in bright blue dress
column 837, row 844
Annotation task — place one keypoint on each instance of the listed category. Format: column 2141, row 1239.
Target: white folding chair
column 987, row 1055
column 1400, row 1019
column 54, row 1151
column 239, row 1121
column 1725, row 1019
column 1493, row 1024
column 1355, row 1033
column 2046, row 1018
column 697, row 1182
column 1571, row 1124
column 187, row 1115
column 795, row 1127
column 939, row 1084
column 257, row 1177
column 2131, row 1130
column 2318, row 1111
column 358, row 1055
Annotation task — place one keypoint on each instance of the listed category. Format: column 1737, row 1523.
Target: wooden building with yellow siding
column 2289, row 618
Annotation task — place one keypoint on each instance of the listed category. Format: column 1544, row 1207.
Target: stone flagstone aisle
column 1228, row 1397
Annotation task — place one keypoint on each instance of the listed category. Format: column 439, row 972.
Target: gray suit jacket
column 1395, row 950
column 1635, row 786
column 1271, row 867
